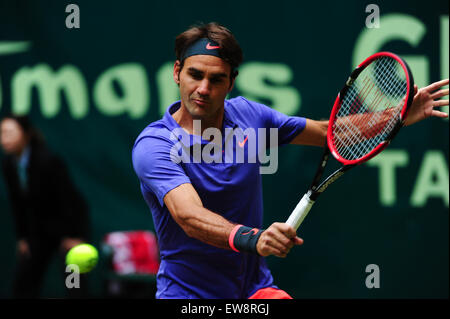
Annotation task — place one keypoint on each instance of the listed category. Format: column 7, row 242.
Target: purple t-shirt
column 163, row 159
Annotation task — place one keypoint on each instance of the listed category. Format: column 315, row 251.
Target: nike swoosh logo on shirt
column 212, row 47
column 241, row 144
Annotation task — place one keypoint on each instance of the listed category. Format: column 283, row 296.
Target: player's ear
column 176, row 72
column 232, row 80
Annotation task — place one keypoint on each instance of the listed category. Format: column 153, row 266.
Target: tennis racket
column 367, row 114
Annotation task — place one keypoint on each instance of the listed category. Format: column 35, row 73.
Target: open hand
column 424, row 102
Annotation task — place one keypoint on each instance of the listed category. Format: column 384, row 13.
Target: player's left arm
column 314, row 134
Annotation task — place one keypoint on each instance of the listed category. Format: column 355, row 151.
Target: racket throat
column 317, row 190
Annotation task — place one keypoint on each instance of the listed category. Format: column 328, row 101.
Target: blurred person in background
column 50, row 215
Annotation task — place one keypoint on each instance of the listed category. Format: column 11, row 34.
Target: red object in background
column 134, row 252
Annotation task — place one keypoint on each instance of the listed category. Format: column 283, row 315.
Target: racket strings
column 370, row 109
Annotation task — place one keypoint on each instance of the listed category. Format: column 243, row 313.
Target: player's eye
column 196, row 75
column 216, row 80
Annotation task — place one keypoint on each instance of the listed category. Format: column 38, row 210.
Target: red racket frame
column 338, row 103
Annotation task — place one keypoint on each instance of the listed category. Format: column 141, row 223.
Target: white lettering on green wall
column 432, row 179
column 258, row 80
column 387, row 163
column 168, row 91
column 395, row 27
column 135, row 97
column 68, row 79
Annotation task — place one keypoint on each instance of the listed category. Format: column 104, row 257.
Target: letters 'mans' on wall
column 253, row 81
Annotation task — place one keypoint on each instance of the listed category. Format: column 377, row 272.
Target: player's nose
column 204, row 87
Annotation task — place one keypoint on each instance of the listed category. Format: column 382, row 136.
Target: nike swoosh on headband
column 202, row 46
column 212, row 47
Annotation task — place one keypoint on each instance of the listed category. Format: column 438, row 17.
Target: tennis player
column 208, row 215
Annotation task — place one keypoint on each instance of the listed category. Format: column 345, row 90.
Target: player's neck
column 186, row 121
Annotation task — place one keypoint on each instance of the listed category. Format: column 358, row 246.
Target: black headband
column 203, row 46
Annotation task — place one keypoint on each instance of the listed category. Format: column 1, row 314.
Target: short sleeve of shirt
column 288, row 126
column 155, row 167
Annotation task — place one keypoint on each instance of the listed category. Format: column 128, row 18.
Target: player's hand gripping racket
column 367, row 114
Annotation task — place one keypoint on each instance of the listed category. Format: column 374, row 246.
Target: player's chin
column 197, row 111
column 201, row 113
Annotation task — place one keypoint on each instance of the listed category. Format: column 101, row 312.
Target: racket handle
column 300, row 211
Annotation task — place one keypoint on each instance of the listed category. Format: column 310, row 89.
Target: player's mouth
column 200, row 102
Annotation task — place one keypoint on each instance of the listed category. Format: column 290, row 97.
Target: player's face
column 204, row 83
column 12, row 137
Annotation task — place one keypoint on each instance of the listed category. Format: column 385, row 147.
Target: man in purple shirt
column 200, row 173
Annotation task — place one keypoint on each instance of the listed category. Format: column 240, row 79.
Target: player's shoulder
column 162, row 130
column 239, row 102
column 154, row 138
column 156, row 132
column 241, row 107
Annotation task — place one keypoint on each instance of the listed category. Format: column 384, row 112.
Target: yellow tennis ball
column 84, row 256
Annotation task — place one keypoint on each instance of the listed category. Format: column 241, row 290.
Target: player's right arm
column 158, row 172
column 187, row 210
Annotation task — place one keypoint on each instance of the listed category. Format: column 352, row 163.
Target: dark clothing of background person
column 47, row 208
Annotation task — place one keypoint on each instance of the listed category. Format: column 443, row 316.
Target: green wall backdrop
column 92, row 90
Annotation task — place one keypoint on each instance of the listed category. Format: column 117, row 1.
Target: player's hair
column 230, row 49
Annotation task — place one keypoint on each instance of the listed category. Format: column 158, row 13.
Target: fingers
column 298, row 241
column 273, row 242
column 440, row 103
column 278, row 240
column 439, row 94
column 436, row 85
column 439, row 114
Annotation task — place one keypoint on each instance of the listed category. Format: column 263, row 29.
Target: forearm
column 186, row 208
column 198, row 222
column 215, row 230
column 314, row 133
column 207, row 226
